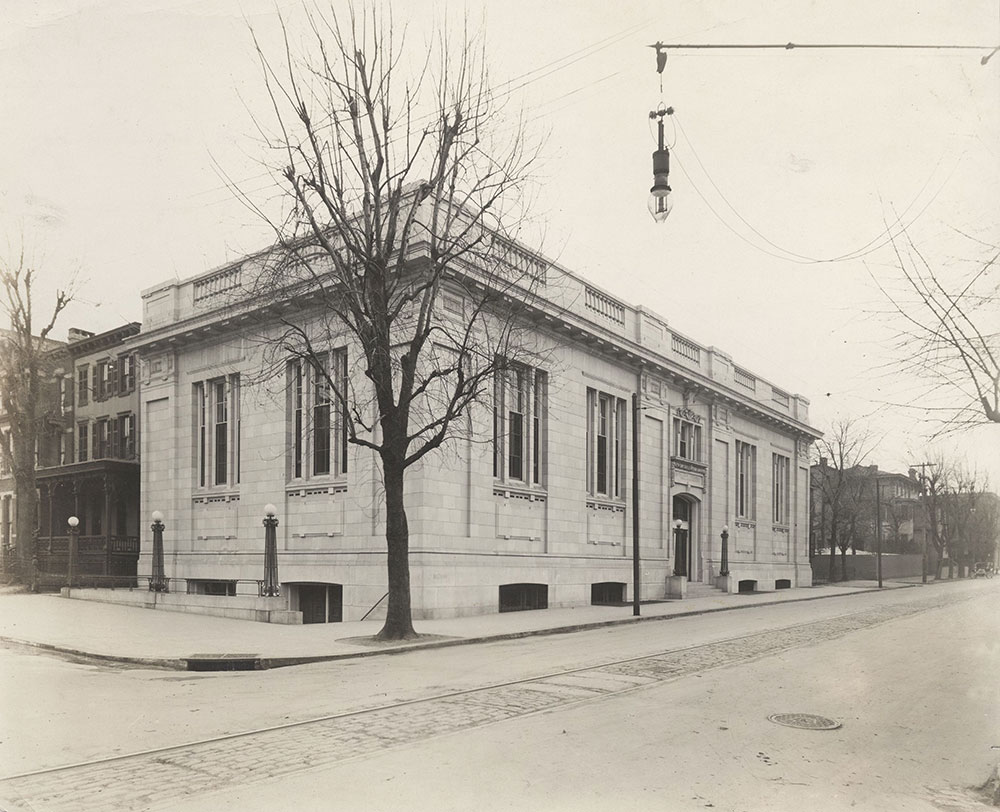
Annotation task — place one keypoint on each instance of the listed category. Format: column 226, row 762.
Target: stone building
column 531, row 507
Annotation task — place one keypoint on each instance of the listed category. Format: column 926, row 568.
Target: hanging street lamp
column 660, row 202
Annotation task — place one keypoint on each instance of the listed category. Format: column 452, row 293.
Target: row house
column 94, row 473
column 531, row 507
column 53, row 411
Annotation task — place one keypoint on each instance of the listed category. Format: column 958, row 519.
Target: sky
column 121, row 121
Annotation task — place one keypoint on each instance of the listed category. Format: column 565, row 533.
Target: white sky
column 117, row 117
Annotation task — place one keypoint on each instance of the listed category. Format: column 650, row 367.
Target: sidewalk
column 163, row 639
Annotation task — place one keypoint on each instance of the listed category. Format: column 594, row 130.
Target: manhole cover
column 806, row 721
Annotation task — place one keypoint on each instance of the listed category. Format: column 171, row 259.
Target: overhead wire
column 500, row 92
column 883, row 238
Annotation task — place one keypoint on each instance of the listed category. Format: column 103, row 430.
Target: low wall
column 238, row 607
column 863, row 567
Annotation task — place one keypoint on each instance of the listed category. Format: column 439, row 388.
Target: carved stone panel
column 157, row 368
column 721, row 419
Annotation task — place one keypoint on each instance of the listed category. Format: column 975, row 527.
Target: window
column 687, row 440
column 7, row 521
column 220, row 408
column 104, row 379
column 321, row 421
column 522, row 597
column 5, row 454
column 102, row 439
column 746, row 480
column 126, row 373
column 515, row 403
column 605, row 443
column 519, row 425
column 83, row 385
column 200, row 419
column 82, row 442
column 217, row 429
column 125, row 436
column 65, row 395
column 318, row 415
column 538, row 426
column 779, row 487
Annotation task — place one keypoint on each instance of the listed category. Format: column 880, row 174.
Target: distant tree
column 949, row 331
column 838, row 487
column 951, row 495
column 936, row 484
column 25, row 364
column 984, row 528
column 399, row 184
column 965, row 512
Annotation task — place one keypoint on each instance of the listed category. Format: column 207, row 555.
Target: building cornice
column 235, row 315
column 103, row 341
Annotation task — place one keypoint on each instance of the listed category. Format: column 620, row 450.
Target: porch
column 104, row 496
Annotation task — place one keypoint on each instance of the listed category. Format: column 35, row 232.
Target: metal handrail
column 386, row 595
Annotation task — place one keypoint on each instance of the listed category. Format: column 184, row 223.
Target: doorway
column 685, row 509
column 321, row 603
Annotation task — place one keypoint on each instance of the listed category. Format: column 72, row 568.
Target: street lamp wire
column 890, row 232
column 790, row 46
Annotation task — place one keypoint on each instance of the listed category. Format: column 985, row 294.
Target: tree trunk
column 843, row 563
column 26, row 505
column 398, row 619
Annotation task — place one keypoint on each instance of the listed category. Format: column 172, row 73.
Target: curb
column 204, row 662
column 282, row 662
column 175, row 664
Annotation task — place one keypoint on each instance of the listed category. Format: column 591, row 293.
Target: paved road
column 547, row 675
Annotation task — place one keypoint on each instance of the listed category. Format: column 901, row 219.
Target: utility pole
column 923, row 499
column 878, row 527
column 636, row 577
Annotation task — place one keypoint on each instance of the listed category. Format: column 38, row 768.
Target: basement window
column 607, row 593
column 522, row 597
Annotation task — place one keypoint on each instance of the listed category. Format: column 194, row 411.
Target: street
column 670, row 715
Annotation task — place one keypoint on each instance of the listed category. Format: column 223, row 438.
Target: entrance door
column 684, row 510
column 321, row 603
column 312, row 603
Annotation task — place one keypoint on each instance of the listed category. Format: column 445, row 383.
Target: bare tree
column 401, row 189
column 952, row 495
column 984, row 528
column 950, row 331
column 966, row 513
column 839, row 487
column 25, row 369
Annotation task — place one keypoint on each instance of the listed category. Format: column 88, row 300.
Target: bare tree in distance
column 402, row 186
column 25, row 366
column 952, row 493
column 949, row 333
column 838, row 482
column 955, row 494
